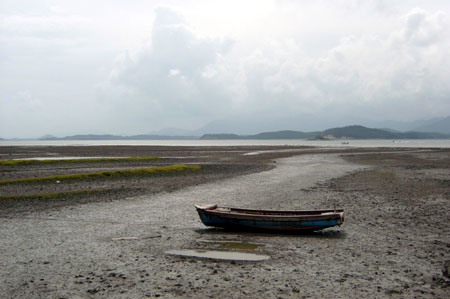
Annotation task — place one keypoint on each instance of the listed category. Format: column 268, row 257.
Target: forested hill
column 263, row 136
column 349, row 132
column 360, row 132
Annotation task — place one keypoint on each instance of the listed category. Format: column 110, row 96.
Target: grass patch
column 151, row 170
column 51, row 195
column 86, row 160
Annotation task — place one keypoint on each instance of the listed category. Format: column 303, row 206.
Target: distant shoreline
column 366, row 143
column 354, row 132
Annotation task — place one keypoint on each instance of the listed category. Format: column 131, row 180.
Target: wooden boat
column 234, row 218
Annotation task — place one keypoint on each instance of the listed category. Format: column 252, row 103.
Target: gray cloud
column 170, row 75
column 400, row 76
column 67, row 70
column 371, row 76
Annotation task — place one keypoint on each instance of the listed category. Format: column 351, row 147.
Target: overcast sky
column 132, row 67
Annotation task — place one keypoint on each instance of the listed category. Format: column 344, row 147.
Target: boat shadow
column 321, row 234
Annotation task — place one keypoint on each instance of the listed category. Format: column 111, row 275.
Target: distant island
column 360, row 132
column 349, row 132
column 263, row 136
column 344, row 133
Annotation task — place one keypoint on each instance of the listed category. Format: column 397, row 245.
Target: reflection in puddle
column 219, row 255
column 239, row 245
column 65, row 158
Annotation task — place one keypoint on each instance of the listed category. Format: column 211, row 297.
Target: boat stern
column 341, row 218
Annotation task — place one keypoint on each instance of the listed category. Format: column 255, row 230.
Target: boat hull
column 270, row 220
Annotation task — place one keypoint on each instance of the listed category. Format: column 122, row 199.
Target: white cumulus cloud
column 135, row 67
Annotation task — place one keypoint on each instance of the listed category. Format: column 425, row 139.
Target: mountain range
column 305, row 123
column 348, row 132
column 301, row 127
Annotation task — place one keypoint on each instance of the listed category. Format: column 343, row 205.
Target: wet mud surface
column 394, row 242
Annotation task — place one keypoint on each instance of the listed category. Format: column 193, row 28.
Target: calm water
column 220, row 255
column 434, row 143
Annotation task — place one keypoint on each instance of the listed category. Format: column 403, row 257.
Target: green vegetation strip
column 51, row 195
column 151, row 170
column 25, row 162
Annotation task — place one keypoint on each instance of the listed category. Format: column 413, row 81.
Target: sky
column 134, row 67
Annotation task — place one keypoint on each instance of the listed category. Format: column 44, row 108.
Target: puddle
column 64, row 158
column 184, row 157
column 275, row 151
column 239, row 245
column 219, row 255
column 134, row 238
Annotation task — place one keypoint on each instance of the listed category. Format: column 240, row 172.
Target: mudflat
column 111, row 235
